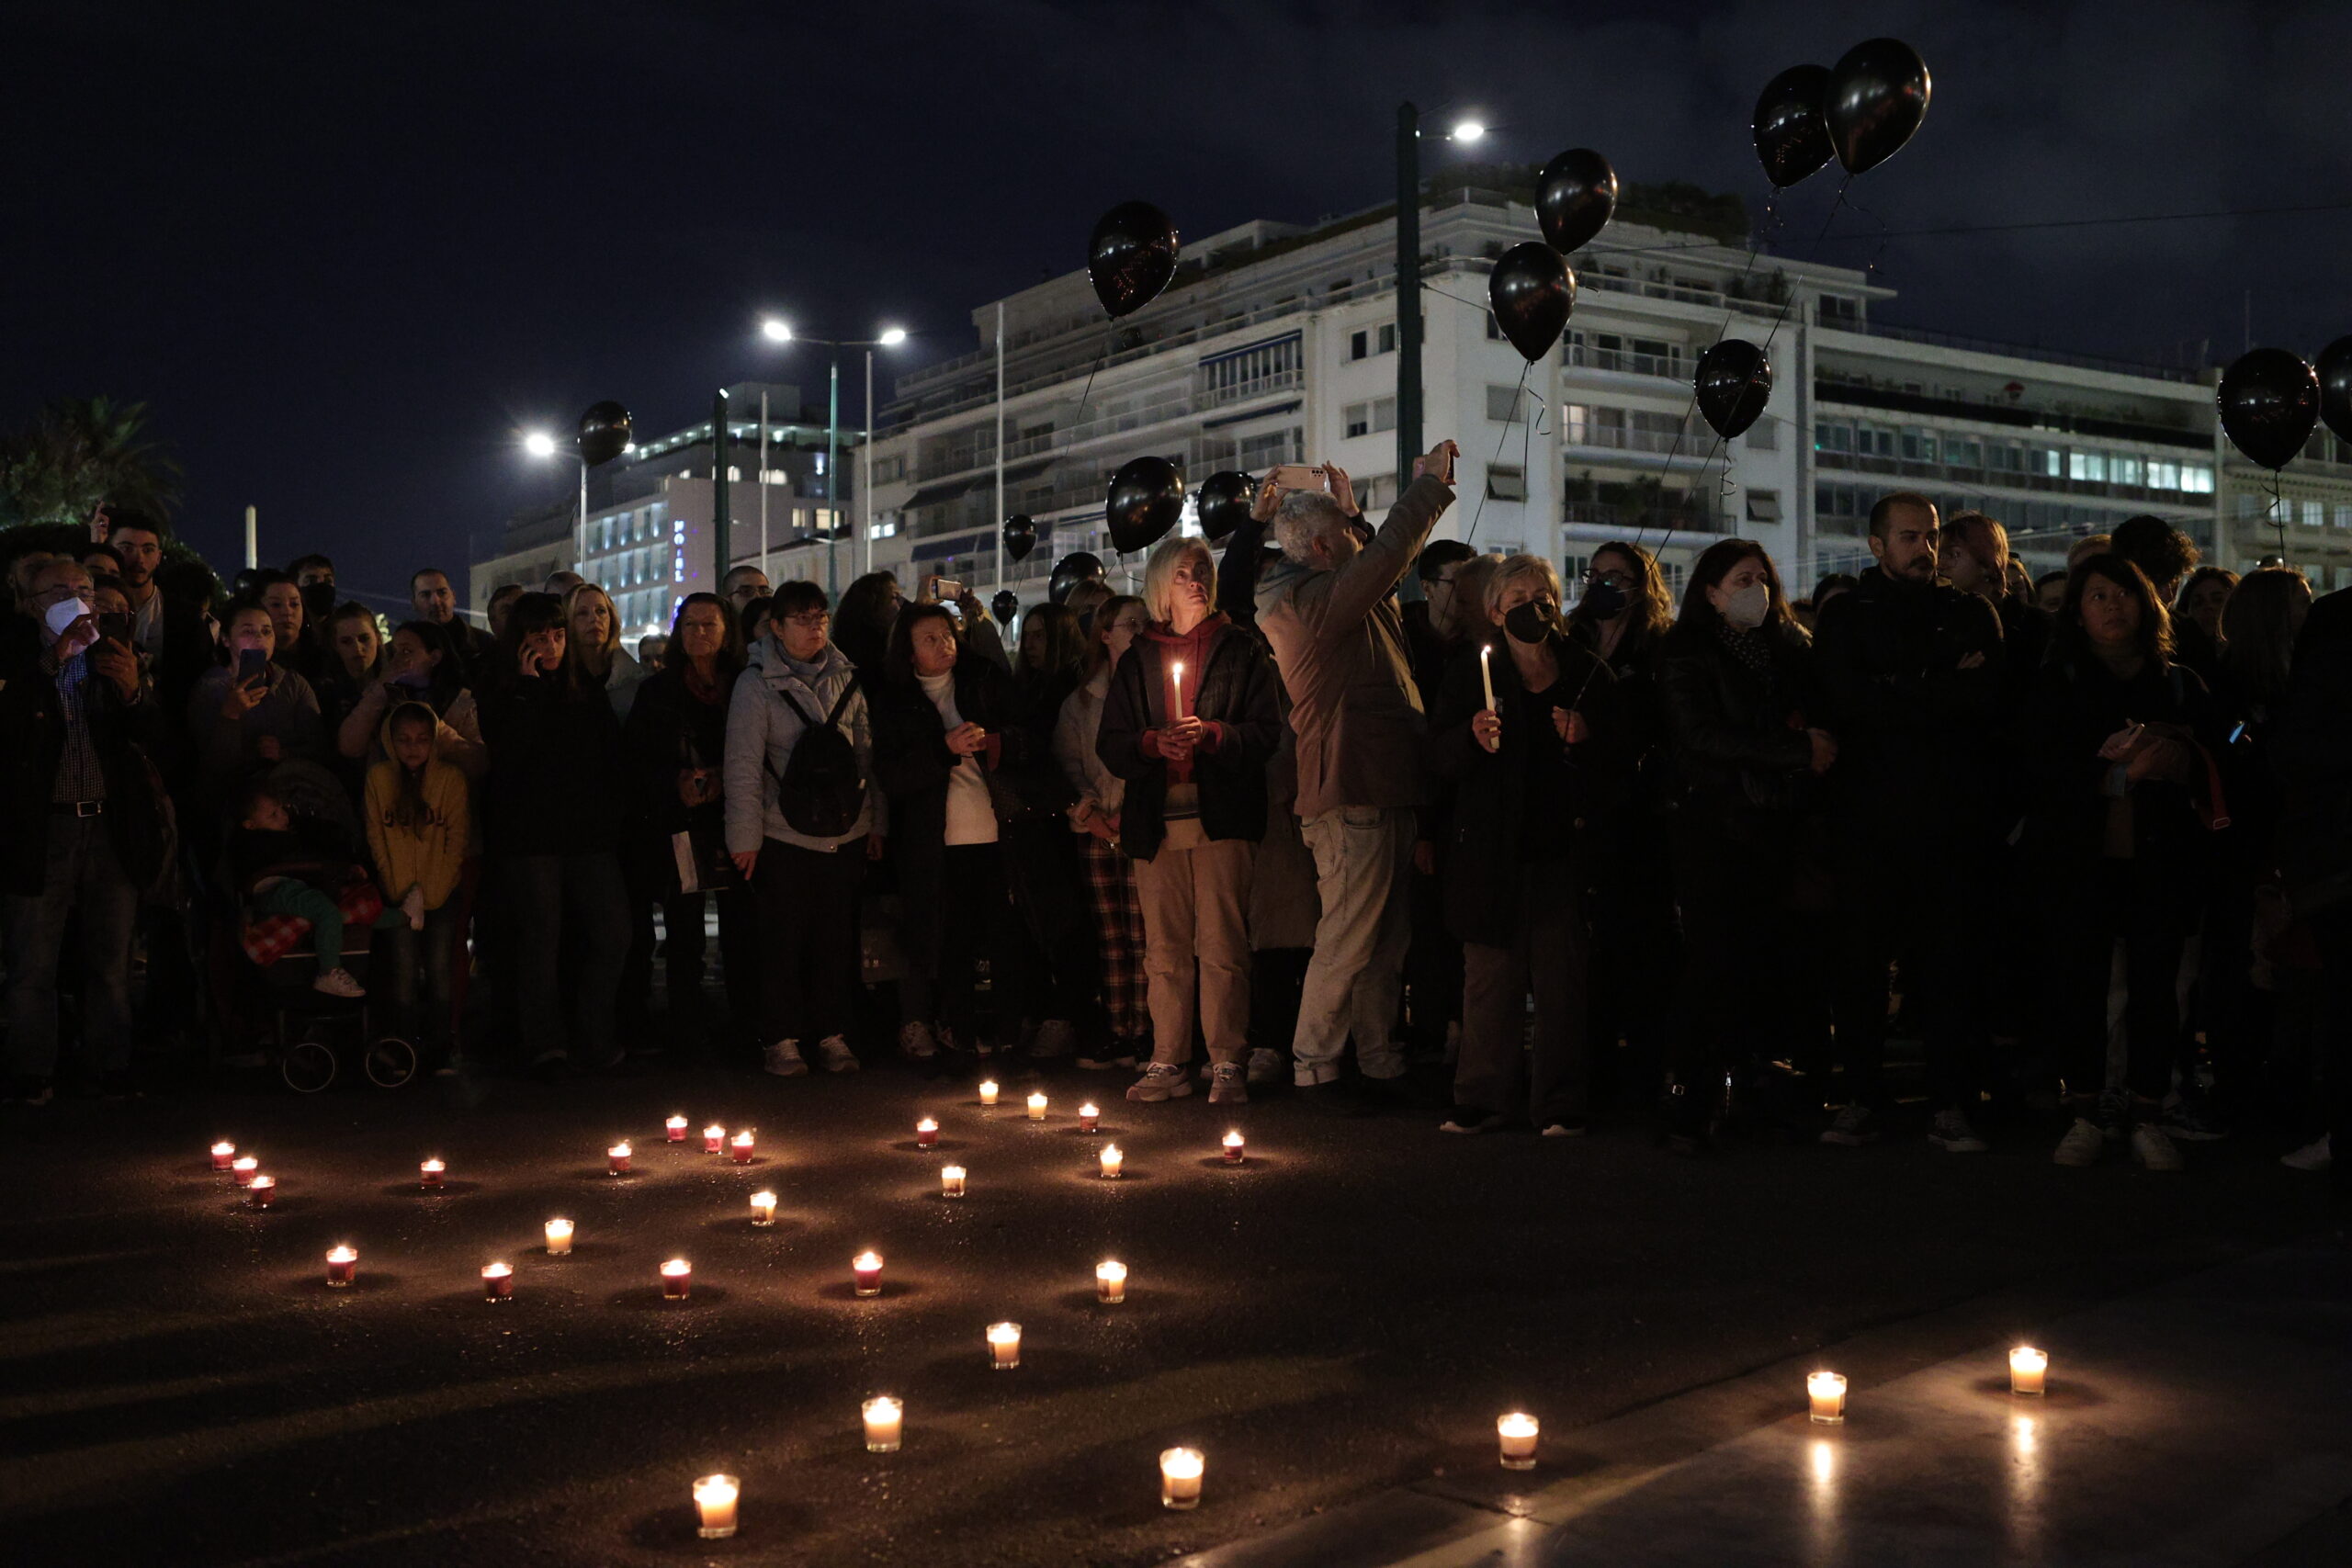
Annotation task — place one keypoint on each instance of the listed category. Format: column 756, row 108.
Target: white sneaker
column 2316, row 1155
column 1265, row 1066
column 339, row 982
column 1950, row 1132
column 1161, row 1080
column 839, row 1058
column 2154, row 1147
column 917, row 1041
column 2082, row 1146
column 784, row 1059
column 1226, row 1085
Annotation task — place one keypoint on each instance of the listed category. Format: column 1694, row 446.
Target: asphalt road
column 1349, row 1309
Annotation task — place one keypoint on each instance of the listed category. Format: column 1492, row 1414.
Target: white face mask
column 63, row 615
column 1747, row 607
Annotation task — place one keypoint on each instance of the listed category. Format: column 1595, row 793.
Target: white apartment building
column 1277, row 342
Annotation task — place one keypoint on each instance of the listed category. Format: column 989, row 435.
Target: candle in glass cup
column 1004, row 1346
column 343, row 1266
column 988, row 1091
column 926, row 1133
column 558, row 1238
column 261, row 1192
column 675, row 1127
column 1110, row 1283
column 1037, row 1108
column 430, row 1173
column 743, row 1147
column 498, row 1282
column 1826, row 1393
column 243, row 1168
column 764, row 1208
column 1089, row 1117
column 616, row 1159
column 1234, row 1147
column 677, row 1277
column 1180, row 1478
column 884, row 1424
column 1517, row 1433
column 1112, row 1159
column 713, row 1136
column 2029, row 1370
column 714, row 1501
column 951, row 1181
column 866, row 1269
column 222, row 1154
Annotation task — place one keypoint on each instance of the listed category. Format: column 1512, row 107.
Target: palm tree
column 80, row 453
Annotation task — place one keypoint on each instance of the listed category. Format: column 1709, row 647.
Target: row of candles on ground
column 716, row 1497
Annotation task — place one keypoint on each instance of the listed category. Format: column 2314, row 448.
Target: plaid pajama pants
column 1118, row 932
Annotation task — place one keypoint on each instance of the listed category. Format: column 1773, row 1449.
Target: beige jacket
column 1339, row 642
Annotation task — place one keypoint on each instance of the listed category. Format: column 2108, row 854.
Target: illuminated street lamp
column 776, row 330
column 542, row 445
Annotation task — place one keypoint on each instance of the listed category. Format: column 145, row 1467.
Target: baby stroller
column 323, row 1038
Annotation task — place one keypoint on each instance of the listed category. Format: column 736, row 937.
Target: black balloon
column 1020, row 536
column 1004, row 606
column 1131, row 256
column 603, row 433
column 1878, row 95
column 2335, row 387
column 1084, row 566
column 1792, row 137
column 2270, row 402
column 1574, row 197
column 1223, row 503
column 1734, row 383
column 1146, row 497
column 1531, row 291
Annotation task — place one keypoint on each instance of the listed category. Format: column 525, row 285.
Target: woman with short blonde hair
column 1160, row 573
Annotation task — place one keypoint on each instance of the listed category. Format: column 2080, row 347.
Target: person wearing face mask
column 1539, row 773
column 1745, row 756
column 76, row 712
column 1095, row 818
column 315, row 575
column 1912, row 671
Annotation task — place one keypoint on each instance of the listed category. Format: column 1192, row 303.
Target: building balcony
column 1627, row 519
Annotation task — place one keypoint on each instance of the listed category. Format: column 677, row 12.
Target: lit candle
column 885, row 1421
column 1179, row 672
column 743, row 1148
column 676, row 1127
column 343, row 1263
column 1234, row 1149
column 1826, row 1391
column 677, row 1277
column 764, row 1208
column 951, row 1181
column 1037, row 1108
column 867, row 1269
column 1111, row 1283
column 1517, row 1432
column 1180, row 1477
column 1487, row 673
column 926, row 1133
column 616, row 1159
column 988, row 1091
column 243, row 1169
column 223, row 1153
column 715, row 1499
column 2027, row 1369
column 558, row 1238
column 712, row 1137
column 430, row 1173
column 1089, row 1117
column 1111, row 1160
column 261, row 1192
column 1004, row 1346
column 498, row 1282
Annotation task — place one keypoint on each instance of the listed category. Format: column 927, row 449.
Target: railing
column 1603, row 515
column 2023, row 351
column 1182, row 406
column 1585, row 357
column 1620, row 438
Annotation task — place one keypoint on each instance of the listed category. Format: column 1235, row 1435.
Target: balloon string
column 1457, row 298
column 2278, row 515
column 1109, row 335
column 1487, row 489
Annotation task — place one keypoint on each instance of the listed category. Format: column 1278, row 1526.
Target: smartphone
column 1297, row 476
column 943, row 589
column 115, row 624
column 253, row 665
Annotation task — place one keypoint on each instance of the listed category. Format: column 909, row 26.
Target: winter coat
column 1075, row 729
column 228, row 751
column 912, row 763
column 2076, row 704
column 668, row 731
column 556, row 785
column 1740, row 761
column 1230, row 688
column 32, row 717
column 762, row 729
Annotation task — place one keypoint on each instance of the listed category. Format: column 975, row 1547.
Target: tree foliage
column 78, row 453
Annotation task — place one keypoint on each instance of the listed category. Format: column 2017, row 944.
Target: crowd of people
column 1933, row 837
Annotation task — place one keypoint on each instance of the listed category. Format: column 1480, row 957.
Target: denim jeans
column 406, row 954
column 574, row 908
column 83, row 877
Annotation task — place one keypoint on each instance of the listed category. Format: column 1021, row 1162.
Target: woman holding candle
column 1094, row 815
column 1532, row 739
column 1190, row 722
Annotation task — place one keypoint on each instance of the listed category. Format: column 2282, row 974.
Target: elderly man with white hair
column 1328, row 609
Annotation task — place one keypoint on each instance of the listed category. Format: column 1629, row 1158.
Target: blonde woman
column 1190, row 722
column 594, row 633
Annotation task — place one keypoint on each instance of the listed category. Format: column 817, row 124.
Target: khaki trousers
column 1196, row 898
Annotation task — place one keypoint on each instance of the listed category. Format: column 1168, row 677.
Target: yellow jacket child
column 416, row 813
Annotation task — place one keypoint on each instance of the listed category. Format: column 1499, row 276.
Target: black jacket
column 1916, row 731
column 1237, row 691
column 668, row 731
column 33, row 721
column 912, row 762
column 2076, row 704
column 1739, row 759
column 1486, row 858
column 555, row 784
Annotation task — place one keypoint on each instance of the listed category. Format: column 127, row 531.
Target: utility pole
column 833, row 483
column 722, row 515
column 999, row 447
column 1409, row 291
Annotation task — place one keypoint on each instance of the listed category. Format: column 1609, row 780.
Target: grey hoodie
column 762, row 729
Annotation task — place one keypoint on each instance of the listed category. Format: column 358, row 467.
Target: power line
column 2040, row 224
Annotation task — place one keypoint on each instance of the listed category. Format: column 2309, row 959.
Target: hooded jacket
column 762, row 729
column 431, row 856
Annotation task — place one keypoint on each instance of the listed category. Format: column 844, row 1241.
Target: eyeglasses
column 1617, row 579
column 814, row 620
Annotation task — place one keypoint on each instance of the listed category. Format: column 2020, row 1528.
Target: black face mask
column 1531, row 622
column 1602, row 601
column 317, row 602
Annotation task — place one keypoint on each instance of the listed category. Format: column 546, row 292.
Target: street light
column 776, row 330
column 540, row 445
column 1466, row 133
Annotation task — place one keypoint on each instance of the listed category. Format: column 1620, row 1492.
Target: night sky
column 346, row 264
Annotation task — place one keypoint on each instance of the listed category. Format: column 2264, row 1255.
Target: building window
column 2124, row 469
column 2087, row 467
column 1494, row 329
column 1505, row 484
column 2343, row 515
column 1254, row 370
column 1359, row 346
column 1836, row 311
column 1833, row 437
column 1964, row 452
column 1502, row 403
column 2163, row 476
column 1383, row 413
column 2315, row 515
column 1917, row 445
column 1357, row 418
column 2196, row 478
column 1269, row 447
column 1764, row 435
column 1763, row 506
column 1388, row 338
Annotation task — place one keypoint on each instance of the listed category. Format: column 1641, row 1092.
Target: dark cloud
column 348, row 254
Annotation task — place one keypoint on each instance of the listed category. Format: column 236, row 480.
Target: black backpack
column 822, row 789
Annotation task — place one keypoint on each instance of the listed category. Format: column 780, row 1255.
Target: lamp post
column 777, row 331
column 1409, row 275
column 539, row 444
